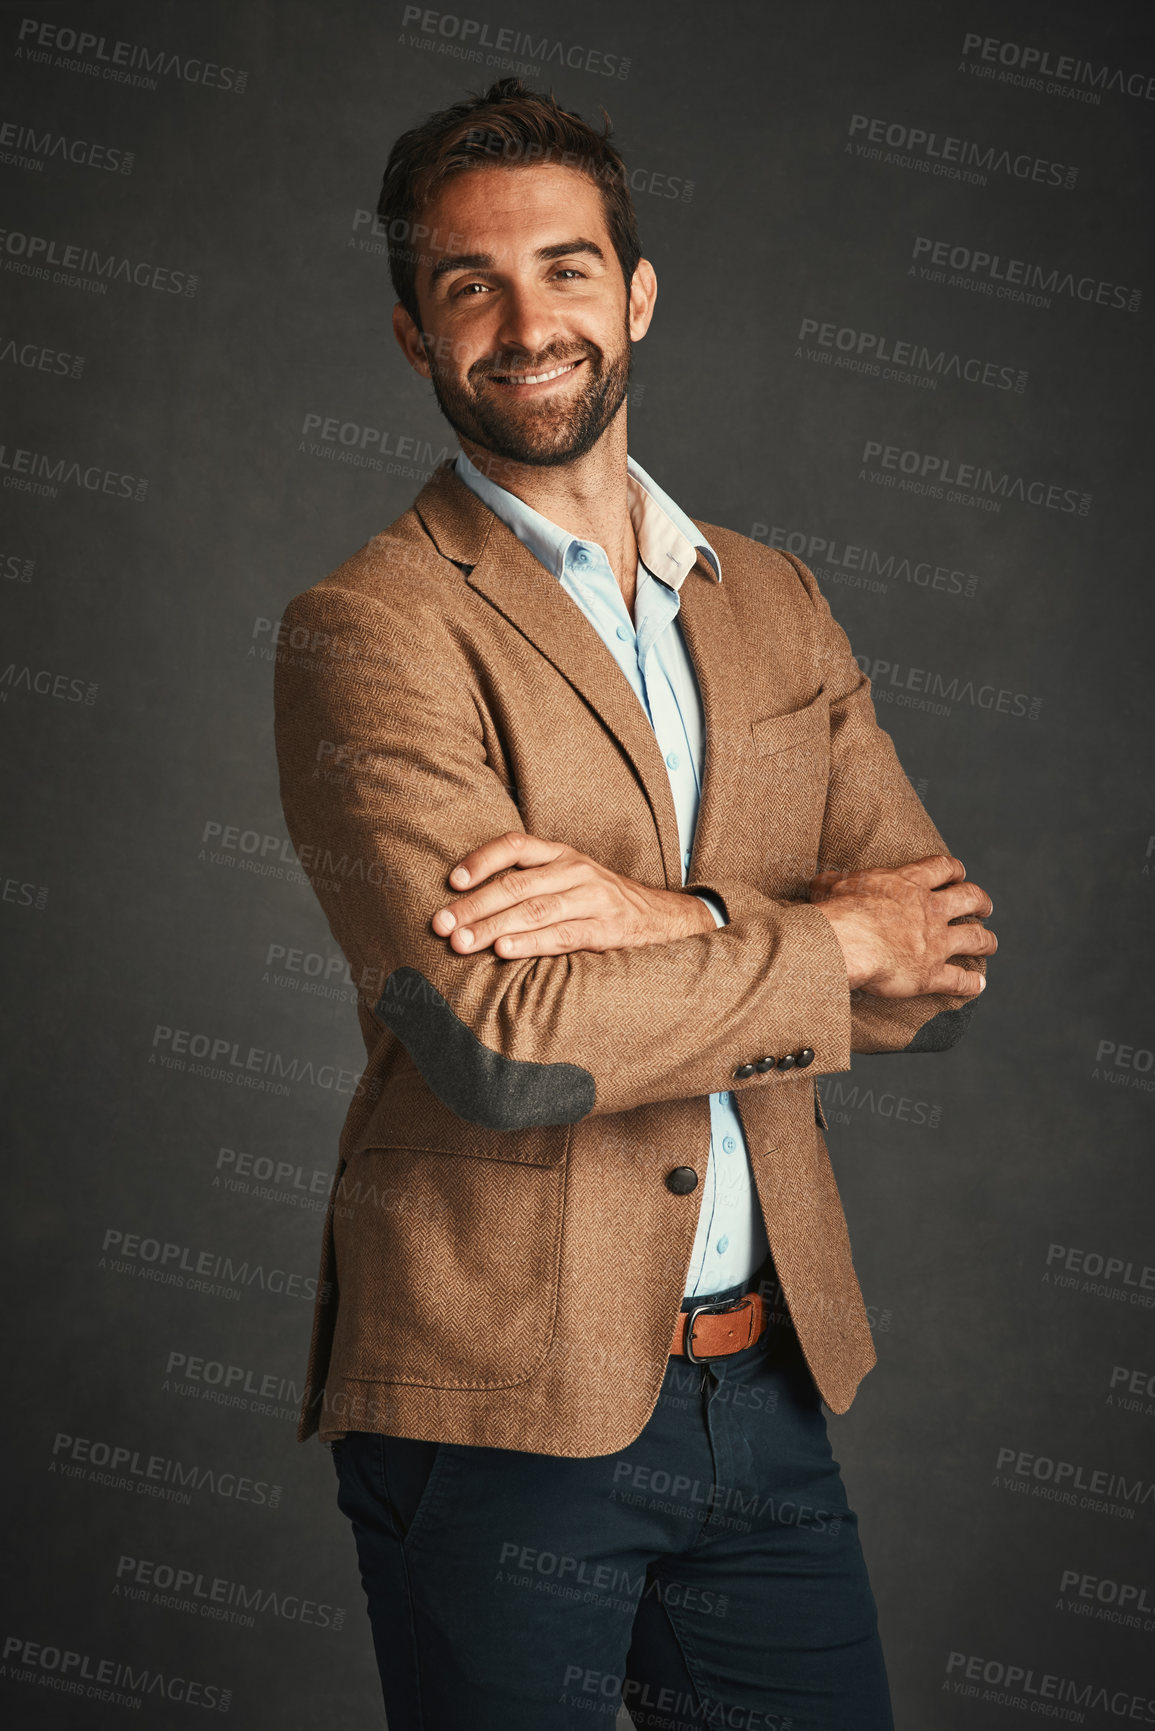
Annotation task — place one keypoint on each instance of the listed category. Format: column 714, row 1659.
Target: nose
column 527, row 324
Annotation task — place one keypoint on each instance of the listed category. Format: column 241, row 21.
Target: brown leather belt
column 715, row 1330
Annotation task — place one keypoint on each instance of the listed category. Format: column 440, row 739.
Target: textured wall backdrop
column 906, row 277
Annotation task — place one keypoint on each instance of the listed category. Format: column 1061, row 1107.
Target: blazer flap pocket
column 799, row 727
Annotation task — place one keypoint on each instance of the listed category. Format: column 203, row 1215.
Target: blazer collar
column 666, row 537
column 497, row 565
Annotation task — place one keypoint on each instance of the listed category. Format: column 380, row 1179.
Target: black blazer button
column 804, row 1057
column 765, row 1064
column 743, row 1071
column 682, row 1180
column 788, row 1062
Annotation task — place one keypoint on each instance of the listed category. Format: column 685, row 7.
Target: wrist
column 702, row 917
column 856, row 942
column 685, row 914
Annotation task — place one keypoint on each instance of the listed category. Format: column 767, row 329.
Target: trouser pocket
column 384, row 1482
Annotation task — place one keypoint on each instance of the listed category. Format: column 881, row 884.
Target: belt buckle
column 718, row 1308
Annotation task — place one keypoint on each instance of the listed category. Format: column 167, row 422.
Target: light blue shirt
column 730, row 1243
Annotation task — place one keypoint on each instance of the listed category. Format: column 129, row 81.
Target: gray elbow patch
column 472, row 1079
column 942, row 1031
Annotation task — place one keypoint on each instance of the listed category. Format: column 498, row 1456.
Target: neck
column 587, row 497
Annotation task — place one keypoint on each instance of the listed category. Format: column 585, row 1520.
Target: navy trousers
column 710, row 1574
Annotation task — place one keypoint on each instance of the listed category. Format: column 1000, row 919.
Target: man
column 563, row 765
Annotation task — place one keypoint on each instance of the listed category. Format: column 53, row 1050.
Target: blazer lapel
column 513, row 580
column 715, row 647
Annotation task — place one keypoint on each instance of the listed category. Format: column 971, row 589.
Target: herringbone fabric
column 503, row 1160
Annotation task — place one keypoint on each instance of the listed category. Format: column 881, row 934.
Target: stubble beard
column 543, row 433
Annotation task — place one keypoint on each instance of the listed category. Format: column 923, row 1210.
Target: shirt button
column 722, row 1246
column 673, row 760
column 581, row 556
column 728, row 1144
column 624, row 632
column 686, row 859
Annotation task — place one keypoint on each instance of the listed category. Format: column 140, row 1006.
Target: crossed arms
column 383, row 766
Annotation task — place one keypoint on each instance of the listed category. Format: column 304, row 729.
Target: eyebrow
column 486, row 260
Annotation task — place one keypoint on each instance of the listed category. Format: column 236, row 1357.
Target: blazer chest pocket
column 787, row 782
column 805, row 730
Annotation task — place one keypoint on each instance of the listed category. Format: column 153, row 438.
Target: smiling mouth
column 520, row 381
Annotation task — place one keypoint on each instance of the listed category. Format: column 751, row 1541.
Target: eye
column 569, row 270
column 460, row 293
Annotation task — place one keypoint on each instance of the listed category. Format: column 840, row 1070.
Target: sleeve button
column 765, row 1064
column 743, row 1071
column 804, row 1057
column 788, row 1062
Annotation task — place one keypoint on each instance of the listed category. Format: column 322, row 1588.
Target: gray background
column 144, row 785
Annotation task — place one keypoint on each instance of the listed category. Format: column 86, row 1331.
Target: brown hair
column 507, row 126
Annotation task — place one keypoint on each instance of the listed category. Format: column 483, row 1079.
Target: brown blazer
column 503, row 1261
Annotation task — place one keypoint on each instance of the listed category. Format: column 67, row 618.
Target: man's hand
column 895, row 927
column 547, row 899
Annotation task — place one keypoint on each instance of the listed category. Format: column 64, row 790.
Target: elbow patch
column 470, row 1078
column 942, row 1031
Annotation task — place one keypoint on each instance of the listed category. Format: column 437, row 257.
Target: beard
column 541, row 432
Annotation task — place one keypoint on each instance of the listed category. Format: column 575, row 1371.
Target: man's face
column 527, row 321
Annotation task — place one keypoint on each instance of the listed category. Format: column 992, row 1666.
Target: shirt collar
column 667, row 539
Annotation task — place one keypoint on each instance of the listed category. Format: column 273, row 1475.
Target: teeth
column 537, row 378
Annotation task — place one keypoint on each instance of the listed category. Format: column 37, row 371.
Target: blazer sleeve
column 385, row 785
column 873, row 818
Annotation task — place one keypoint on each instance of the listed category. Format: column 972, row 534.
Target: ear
column 411, row 340
column 643, row 294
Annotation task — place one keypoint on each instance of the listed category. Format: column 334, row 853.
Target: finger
column 534, row 914
column 555, row 940
column 512, row 889
column 972, row 941
column 935, row 869
column 503, row 853
column 956, row 899
column 514, row 847
column 957, row 982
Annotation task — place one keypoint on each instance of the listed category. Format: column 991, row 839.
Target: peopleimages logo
column 28, row 471
column 83, row 267
column 943, row 477
column 1070, row 1482
column 1013, row 279
column 864, row 567
column 45, row 683
column 1024, row 64
column 1022, row 1686
column 938, row 692
column 238, row 1384
column 146, row 1255
column 464, row 38
column 118, row 1466
column 940, row 154
column 904, row 359
column 28, row 147
column 119, row 61
column 223, row 1058
column 184, row 1589
column 1107, row 1601
column 117, row 1682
